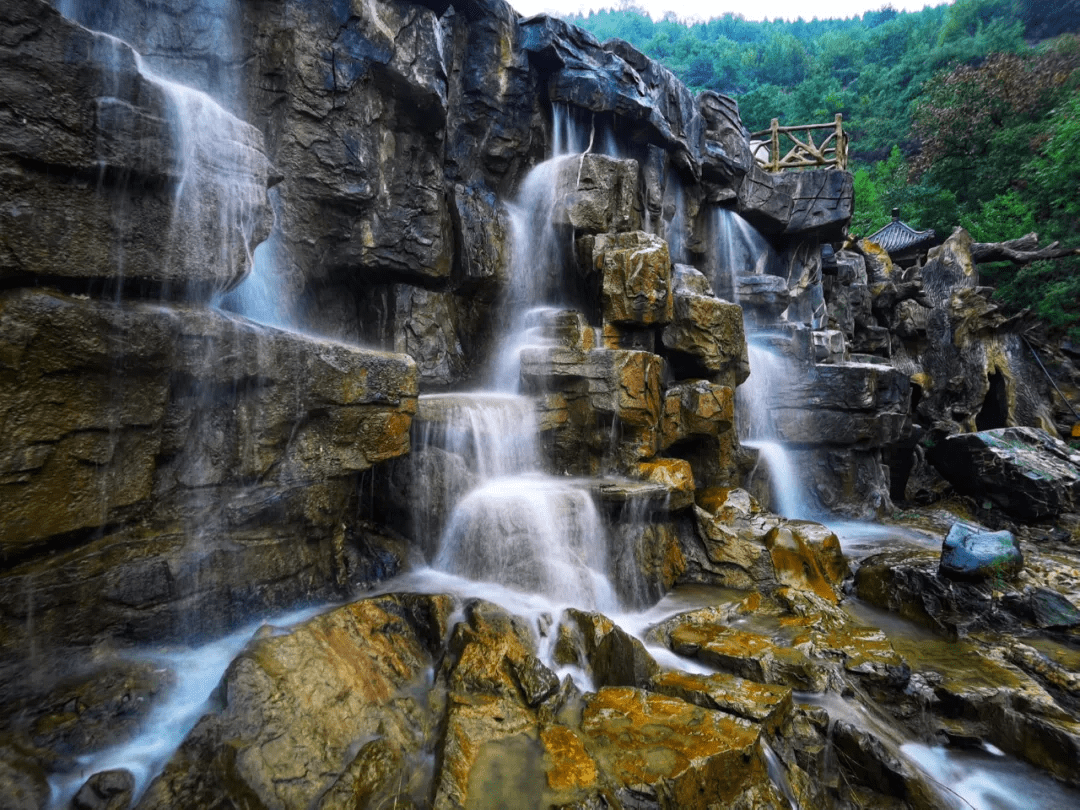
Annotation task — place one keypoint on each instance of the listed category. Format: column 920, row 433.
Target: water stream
column 755, row 400
column 531, row 542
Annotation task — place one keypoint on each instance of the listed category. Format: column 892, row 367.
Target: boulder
column 763, row 297
column 654, row 746
column 739, row 546
column 974, row 370
column 1044, row 608
column 749, row 655
column 492, row 678
column 76, row 165
column 822, row 202
column 675, row 475
column 596, row 194
column 621, row 383
column 1024, row 471
column 725, row 155
column 706, row 338
column 612, row 657
column 635, row 279
column 971, row 554
column 763, row 202
column 696, row 410
column 331, row 712
column 107, row 790
column 769, row 705
column 908, row 583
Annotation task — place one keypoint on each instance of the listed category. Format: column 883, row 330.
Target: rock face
column 88, row 138
column 161, row 445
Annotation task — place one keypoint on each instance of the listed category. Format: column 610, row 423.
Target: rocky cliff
column 180, row 457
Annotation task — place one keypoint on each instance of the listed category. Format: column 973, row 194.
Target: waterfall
column 214, row 166
column 755, row 400
column 516, row 526
column 737, row 248
column 218, row 198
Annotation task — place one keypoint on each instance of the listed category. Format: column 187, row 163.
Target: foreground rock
column 329, row 714
column 343, row 710
column 973, row 555
column 1024, row 471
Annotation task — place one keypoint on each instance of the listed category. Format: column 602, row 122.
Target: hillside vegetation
column 967, row 114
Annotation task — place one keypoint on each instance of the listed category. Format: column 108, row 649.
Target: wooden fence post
column 841, row 147
column 774, row 148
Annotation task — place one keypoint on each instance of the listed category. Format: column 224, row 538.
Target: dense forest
column 966, row 114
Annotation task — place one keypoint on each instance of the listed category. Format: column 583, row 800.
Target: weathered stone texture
column 635, row 278
column 87, row 139
column 172, row 425
column 1025, row 471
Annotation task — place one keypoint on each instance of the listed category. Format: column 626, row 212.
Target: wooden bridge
column 802, row 152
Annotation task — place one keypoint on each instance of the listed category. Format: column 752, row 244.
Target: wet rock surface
column 1025, row 471
column 134, row 429
column 970, row 554
column 76, row 162
column 172, row 470
column 295, row 708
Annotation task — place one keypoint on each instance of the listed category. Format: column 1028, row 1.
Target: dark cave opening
column 995, row 409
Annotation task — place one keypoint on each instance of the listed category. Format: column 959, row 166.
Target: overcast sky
column 750, row 9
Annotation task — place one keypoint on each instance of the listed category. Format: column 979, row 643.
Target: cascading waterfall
column 755, row 400
column 517, row 526
column 737, row 249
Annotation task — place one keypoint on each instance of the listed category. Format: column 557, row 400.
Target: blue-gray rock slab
column 973, row 554
column 1025, row 471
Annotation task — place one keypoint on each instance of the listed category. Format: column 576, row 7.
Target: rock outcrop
column 169, row 470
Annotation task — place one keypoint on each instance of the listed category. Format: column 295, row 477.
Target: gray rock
column 971, row 554
column 1022, row 470
column 107, row 790
column 76, row 165
column 762, row 297
column 822, row 201
column 616, row 78
column 614, row 658
column 635, row 278
column 597, row 194
column 706, row 338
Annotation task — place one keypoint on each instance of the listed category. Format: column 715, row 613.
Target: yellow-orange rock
column 671, row 752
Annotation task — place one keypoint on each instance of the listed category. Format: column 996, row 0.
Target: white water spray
column 755, row 400
column 737, row 248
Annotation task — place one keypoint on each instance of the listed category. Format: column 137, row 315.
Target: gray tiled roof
column 897, row 237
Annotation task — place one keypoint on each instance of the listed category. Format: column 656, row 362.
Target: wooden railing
column 804, row 153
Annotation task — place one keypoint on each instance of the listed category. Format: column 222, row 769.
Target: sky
column 750, row 9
